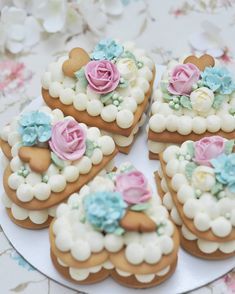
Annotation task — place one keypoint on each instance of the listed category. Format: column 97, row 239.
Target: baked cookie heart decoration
column 201, row 62
column 137, row 222
column 78, row 57
column 39, row 159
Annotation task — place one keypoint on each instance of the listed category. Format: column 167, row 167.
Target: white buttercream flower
column 18, row 31
column 203, row 178
column 127, row 68
column 101, row 184
column 202, row 99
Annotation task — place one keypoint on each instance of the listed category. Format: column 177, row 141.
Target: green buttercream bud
column 221, row 194
column 176, row 99
column 198, row 192
column 187, row 157
column 25, row 173
column 116, row 102
column 171, row 104
column 122, row 80
column 115, row 96
column 45, row 179
column 177, row 106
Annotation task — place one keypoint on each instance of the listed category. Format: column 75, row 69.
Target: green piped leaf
column 105, row 98
column 119, row 231
column 90, row 147
column 167, row 97
column 218, row 187
column 232, row 111
column 190, row 149
column 123, row 84
column 185, row 102
column 140, row 206
column 57, row 161
column 229, row 147
column 218, row 100
column 189, row 169
column 164, row 85
column 80, row 75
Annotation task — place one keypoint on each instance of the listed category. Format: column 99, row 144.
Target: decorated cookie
column 195, row 98
column 109, row 89
column 114, row 227
column 197, row 184
column 50, row 157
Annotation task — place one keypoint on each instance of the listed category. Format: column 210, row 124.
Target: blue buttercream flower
column 35, row 127
column 224, row 166
column 104, row 210
column 107, row 49
column 218, row 79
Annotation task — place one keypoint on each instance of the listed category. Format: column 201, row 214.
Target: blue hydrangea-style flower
column 218, row 79
column 107, row 49
column 104, row 210
column 224, row 166
column 35, row 127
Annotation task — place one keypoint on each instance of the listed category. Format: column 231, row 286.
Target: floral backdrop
column 33, row 32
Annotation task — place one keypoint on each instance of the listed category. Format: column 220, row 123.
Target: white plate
column 190, row 274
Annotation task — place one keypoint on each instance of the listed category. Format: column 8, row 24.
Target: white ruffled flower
column 18, row 31
column 127, row 68
column 202, row 99
column 203, row 178
column 101, row 184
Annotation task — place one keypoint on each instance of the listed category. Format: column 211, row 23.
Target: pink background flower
column 68, row 140
column 183, row 77
column 208, row 148
column 103, row 76
column 133, row 187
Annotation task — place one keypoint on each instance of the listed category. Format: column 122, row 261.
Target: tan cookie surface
column 27, row 223
column 153, row 156
column 84, row 117
column 192, row 248
column 207, row 235
column 191, row 245
column 201, row 62
column 119, row 260
column 78, row 57
column 6, row 149
column 67, row 258
column 91, row 279
column 39, row 159
column 175, row 137
column 55, row 198
column 138, row 222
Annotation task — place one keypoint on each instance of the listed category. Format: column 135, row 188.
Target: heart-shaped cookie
column 138, row 222
column 39, row 159
column 202, row 62
column 78, row 57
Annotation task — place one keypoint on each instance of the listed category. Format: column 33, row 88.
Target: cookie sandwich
column 108, row 88
column 114, row 227
column 197, row 185
column 195, row 99
column 50, row 157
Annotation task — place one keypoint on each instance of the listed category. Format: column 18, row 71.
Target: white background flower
column 18, row 31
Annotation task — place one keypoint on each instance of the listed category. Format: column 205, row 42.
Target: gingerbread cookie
column 114, row 227
column 192, row 101
column 196, row 185
column 110, row 91
column 51, row 156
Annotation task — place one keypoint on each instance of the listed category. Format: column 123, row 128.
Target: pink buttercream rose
column 133, row 187
column 68, row 140
column 102, row 75
column 183, row 77
column 208, row 148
